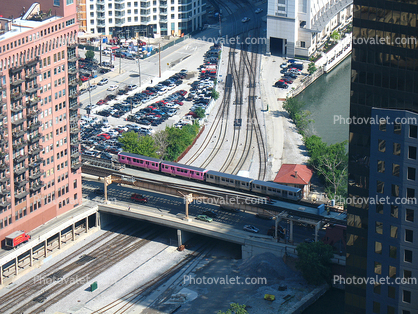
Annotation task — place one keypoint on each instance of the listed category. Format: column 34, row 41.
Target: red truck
column 16, row 238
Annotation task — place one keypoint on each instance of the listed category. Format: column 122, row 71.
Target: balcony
column 2, row 87
column 19, row 145
column 35, row 138
column 20, row 158
column 72, row 70
column 75, row 141
column 16, row 69
column 4, row 166
column 20, row 181
column 73, row 83
column 31, row 75
column 17, row 108
column 35, row 163
column 33, row 62
column 36, row 175
column 119, row 21
column 17, row 82
column 3, row 140
column 5, row 190
column 16, row 96
column 163, row 4
column 19, row 121
column 19, row 170
column 33, row 101
column 32, row 90
column 145, row 5
column 36, row 186
column 75, row 130
column 75, row 154
column 75, row 118
column 72, row 58
column 35, row 151
column 34, row 125
column 119, row 14
column 33, row 113
column 76, row 165
column 22, row 194
column 72, row 45
column 18, row 133
column 4, row 203
column 101, row 9
column 75, row 106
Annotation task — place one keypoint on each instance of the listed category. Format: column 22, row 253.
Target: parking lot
column 176, row 100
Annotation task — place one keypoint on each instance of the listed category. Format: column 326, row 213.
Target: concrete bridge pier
column 183, row 237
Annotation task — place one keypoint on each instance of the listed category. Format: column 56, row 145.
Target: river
column 328, row 98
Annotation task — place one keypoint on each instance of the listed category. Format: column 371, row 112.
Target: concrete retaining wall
column 308, row 300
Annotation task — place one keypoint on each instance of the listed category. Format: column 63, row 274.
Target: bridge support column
column 45, row 248
column 291, row 232
column 107, row 181
column 73, row 231
column 1, row 274
column 31, row 257
column 97, row 220
column 59, row 240
column 87, row 224
column 16, row 265
column 183, row 237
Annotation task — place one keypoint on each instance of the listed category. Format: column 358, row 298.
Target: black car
column 210, row 214
column 144, row 122
column 281, row 85
column 98, row 191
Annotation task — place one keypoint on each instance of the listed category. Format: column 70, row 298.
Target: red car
column 139, row 198
column 101, row 102
column 142, row 43
column 178, row 102
column 104, row 135
column 182, row 92
column 84, row 78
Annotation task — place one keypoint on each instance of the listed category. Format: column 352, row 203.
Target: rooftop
column 294, row 174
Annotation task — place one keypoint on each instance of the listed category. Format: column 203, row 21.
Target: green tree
column 314, row 261
column 312, row 68
column 90, row 54
column 335, row 35
column 200, row 113
column 299, row 116
column 235, row 308
column 180, row 139
column 135, row 144
column 215, row 94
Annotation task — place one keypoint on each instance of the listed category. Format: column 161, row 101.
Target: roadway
column 175, row 206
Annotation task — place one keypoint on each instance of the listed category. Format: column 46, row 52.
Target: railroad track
column 100, row 259
column 127, row 301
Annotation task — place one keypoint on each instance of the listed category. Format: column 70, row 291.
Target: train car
column 16, row 238
column 229, row 180
column 276, row 190
column 184, row 171
column 139, row 161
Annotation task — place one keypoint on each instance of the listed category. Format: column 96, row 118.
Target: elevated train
column 213, row 177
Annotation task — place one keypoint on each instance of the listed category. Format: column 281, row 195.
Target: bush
column 215, row 94
column 90, row 54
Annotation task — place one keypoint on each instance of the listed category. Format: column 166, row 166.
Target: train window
column 122, row 157
column 129, row 159
column 222, row 179
column 141, row 161
column 152, row 164
column 191, row 172
column 290, row 193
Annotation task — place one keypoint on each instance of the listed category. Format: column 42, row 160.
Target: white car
column 251, row 228
column 112, row 88
column 283, row 65
column 132, row 87
column 258, row 11
column 245, row 20
column 103, row 82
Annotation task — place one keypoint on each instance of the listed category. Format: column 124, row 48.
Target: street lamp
column 139, row 71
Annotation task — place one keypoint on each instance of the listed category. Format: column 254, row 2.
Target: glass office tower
column 383, row 235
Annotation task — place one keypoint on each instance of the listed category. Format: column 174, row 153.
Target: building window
column 393, row 232
column 380, row 186
column 378, row 268
column 409, row 215
column 413, row 131
column 410, row 193
column 379, row 227
column 406, row 296
column 391, row 310
column 394, row 211
column 380, row 166
column 302, row 44
column 412, row 152
column 382, row 125
column 395, row 170
column 377, row 288
column 70, row 2
column 397, row 128
column 376, row 307
column 409, row 235
column 379, row 208
column 392, row 251
column 57, row 3
column 392, row 271
column 396, row 149
column 411, row 173
column 378, row 248
column 408, row 256
column 395, row 190
column 382, row 146
column 407, row 274
column 391, row 292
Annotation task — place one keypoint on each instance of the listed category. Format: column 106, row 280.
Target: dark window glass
column 409, row 215
column 395, row 190
column 378, row 268
column 397, row 128
column 380, row 186
column 407, row 273
column 379, row 227
column 409, row 235
column 406, row 296
column 381, row 166
column 410, row 193
column 395, row 170
column 411, row 173
column 412, row 152
column 408, row 256
column 392, row 251
column 413, row 132
column 379, row 208
column 382, row 125
column 391, row 292
column 396, row 149
column 382, row 146
column 376, row 307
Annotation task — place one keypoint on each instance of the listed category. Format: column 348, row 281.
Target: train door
column 284, row 194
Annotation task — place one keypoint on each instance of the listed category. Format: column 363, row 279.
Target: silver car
column 251, row 228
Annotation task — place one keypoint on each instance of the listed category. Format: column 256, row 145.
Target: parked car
column 204, row 218
column 245, row 20
column 139, row 198
column 251, row 228
column 259, row 10
column 283, row 65
column 132, row 86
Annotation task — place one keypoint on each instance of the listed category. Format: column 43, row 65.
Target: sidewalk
column 284, row 143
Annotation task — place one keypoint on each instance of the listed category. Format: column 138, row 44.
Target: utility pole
column 120, row 63
column 159, row 60
column 100, row 51
column 139, row 72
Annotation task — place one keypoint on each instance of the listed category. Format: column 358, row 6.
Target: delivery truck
column 16, row 238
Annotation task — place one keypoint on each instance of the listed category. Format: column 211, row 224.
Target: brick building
column 40, row 175
column 298, row 176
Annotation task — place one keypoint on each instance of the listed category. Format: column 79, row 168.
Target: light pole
column 139, row 72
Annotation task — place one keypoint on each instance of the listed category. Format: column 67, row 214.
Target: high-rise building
column 126, row 18
column 40, row 175
column 383, row 232
column 302, row 27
